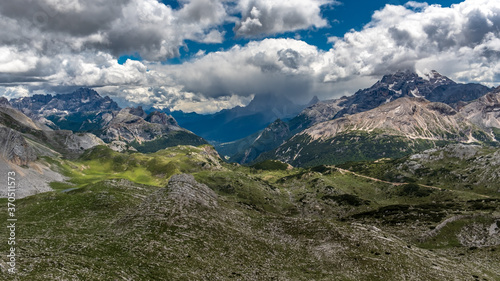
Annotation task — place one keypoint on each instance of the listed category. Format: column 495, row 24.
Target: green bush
column 414, row 190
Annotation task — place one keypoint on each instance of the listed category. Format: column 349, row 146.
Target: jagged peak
column 405, row 74
column 161, row 118
column 314, row 100
column 137, row 111
column 435, row 77
column 5, row 102
column 81, row 93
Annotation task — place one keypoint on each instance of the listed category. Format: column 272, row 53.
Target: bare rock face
column 161, row 118
column 4, row 102
column 129, row 126
column 184, row 190
column 182, row 196
column 81, row 100
column 485, row 111
column 120, row 146
column 137, row 111
column 480, row 235
column 409, row 117
column 15, row 149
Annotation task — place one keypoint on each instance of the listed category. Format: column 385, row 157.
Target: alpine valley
column 399, row 181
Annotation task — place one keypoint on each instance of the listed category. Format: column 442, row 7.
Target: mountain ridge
column 390, row 87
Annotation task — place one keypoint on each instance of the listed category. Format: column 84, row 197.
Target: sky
column 207, row 55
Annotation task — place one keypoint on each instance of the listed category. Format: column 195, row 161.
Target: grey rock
column 184, row 190
column 14, row 147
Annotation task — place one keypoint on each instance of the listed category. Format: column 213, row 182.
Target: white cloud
column 464, row 36
column 14, row 92
column 149, row 27
column 77, row 45
column 13, row 61
column 264, row 17
column 282, row 66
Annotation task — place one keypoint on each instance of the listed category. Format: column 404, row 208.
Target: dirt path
column 396, row 183
column 370, row 178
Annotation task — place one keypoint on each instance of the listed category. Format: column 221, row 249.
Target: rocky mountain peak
column 161, row 118
column 436, row 79
column 407, row 116
column 137, row 111
column 84, row 94
column 81, row 100
column 399, row 76
column 4, row 102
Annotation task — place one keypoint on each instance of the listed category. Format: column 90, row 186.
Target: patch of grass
column 270, row 165
column 415, row 190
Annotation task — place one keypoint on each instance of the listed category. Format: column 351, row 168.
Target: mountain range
column 135, row 196
column 401, row 114
column 432, row 86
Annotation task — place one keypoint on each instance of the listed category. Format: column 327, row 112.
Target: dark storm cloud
column 73, row 17
column 115, row 26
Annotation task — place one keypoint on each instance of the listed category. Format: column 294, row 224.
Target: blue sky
column 342, row 17
column 208, row 55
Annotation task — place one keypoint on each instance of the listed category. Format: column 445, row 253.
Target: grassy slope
column 446, row 167
column 300, row 224
column 353, row 146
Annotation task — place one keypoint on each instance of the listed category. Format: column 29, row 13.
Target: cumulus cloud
column 417, row 36
column 264, row 17
column 148, row 27
column 280, row 66
column 38, row 51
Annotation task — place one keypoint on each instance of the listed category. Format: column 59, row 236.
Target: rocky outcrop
column 14, row 147
column 128, row 126
column 485, row 111
column 4, row 102
column 161, row 118
column 480, row 234
column 74, row 142
column 391, row 87
column 182, row 196
column 185, row 191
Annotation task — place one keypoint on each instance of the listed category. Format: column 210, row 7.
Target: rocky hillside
column 128, row 215
column 457, row 166
column 145, row 132
column 392, row 130
column 485, row 112
column 85, row 111
column 413, row 118
column 24, row 143
column 432, row 86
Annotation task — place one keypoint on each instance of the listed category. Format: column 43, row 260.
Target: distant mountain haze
column 239, row 122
